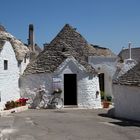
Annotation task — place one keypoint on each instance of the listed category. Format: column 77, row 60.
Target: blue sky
column 108, row 23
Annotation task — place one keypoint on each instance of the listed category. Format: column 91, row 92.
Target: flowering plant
column 22, row 101
column 17, row 103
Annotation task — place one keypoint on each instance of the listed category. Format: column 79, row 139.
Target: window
column 5, row 64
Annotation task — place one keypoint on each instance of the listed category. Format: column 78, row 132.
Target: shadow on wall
column 120, row 121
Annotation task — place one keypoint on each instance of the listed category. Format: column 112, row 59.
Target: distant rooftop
column 130, row 78
column 19, row 48
column 135, row 54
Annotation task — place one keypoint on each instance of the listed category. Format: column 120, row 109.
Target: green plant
column 102, row 95
column 109, row 98
column 105, row 97
column 9, row 105
column 17, row 104
column 13, row 104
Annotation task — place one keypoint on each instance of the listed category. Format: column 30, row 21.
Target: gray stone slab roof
column 130, row 78
column 68, row 42
column 2, row 42
column 135, row 54
column 101, row 51
column 20, row 49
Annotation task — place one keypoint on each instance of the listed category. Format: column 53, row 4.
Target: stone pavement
column 67, row 124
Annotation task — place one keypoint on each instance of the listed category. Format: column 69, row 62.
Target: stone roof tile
column 20, row 49
column 67, row 43
column 131, row 78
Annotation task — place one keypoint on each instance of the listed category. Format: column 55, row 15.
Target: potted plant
column 106, row 101
column 22, row 101
column 106, row 104
column 7, row 105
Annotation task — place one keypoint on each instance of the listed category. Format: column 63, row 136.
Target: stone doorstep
column 13, row 110
column 75, row 107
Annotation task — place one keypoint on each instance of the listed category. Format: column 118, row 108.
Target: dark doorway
column 70, row 89
column 101, row 81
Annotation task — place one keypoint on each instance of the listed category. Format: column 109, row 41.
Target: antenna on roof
column 129, row 47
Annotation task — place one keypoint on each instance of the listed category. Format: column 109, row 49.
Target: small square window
column 5, row 64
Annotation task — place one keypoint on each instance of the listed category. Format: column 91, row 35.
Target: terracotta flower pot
column 106, row 104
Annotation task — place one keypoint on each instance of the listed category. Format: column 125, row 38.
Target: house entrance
column 101, row 81
column 70, row 89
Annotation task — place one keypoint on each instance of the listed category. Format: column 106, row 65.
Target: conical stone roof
column 130, row 78
column 67, row 43
column 20, row 49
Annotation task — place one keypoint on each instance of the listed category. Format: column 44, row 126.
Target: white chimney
column 129, row 46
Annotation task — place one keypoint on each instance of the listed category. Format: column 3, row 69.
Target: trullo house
column 64, row 64
column 13, row 61
column 126, row 90
column 126, row 85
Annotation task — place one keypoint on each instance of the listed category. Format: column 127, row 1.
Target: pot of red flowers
column 22, row 101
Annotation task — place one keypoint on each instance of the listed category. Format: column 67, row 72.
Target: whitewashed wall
column 126, row 101
column 106, row 65
column 23, row 65
column 33, row 81
column 108, row 76
column 87, row 88
column 87, row 84
column 8, row 78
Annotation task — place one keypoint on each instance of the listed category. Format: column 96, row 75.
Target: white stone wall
column 86, row 85
column 106, row 65
column 23, row 65
column 108, row 73
column 33, row 81
column 8, row 78
column 87, row 88
column 126, row 101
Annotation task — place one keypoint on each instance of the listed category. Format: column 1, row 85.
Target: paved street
column 66, row 124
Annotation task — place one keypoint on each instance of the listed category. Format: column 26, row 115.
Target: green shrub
column 109, row 98
column 105, row 97
column 9, row 105
column 102, row 95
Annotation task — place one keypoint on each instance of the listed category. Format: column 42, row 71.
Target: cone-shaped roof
column 130, row 78
column 67, row 43
column 20, row 49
